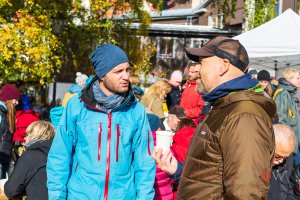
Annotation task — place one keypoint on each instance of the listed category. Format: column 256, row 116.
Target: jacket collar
column 191, row 82
column 283, row 83
column 244, row 82
column 165, row 122
column 3, row 107
column 247, row 95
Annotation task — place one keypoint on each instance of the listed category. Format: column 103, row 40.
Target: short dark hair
column 185, row 122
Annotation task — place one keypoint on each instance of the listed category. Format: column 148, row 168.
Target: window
column 189, row 21
column 215, row 21
column 166, row 48
column 277, row 9
column 197, row 43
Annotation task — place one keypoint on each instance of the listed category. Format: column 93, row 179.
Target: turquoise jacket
column 287, row 109
column 96, row 155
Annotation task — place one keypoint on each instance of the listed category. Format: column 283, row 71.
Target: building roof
column 172, row 13
column 176, row 13
column 184, row 30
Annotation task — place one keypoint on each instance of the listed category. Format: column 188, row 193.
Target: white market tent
column 275, row 44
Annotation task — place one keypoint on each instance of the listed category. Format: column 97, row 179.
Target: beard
column 200, row 88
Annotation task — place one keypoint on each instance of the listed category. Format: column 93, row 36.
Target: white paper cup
column 164, row 140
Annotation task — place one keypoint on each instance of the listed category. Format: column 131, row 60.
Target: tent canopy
column 275, row 44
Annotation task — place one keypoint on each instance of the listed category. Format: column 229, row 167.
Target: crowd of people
column 236, row 133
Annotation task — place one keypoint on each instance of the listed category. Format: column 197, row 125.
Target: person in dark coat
column 280, row 186
column 295, row 181
column 29, row 176
column 9, row 96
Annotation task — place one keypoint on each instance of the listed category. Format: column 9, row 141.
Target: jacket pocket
column 122, row 151
column 99, row 141
column 148, row 143
column 118, row 142
column 83, row 185
column 292, row 118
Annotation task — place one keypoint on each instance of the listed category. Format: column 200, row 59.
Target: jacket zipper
column 118, row 140
column 99, row 141
column 76, row 167
column 108, row 157
column 149, row 143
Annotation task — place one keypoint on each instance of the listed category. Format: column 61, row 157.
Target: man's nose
column 126, row 75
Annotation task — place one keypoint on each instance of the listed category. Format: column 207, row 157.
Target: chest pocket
column 123, row 157
column 204, row 154
column 292, row 118
column 206, row 144
column 292, row 114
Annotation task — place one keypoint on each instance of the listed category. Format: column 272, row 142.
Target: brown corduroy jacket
column 231, row 153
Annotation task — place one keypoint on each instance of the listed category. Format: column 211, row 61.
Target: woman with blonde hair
column 9, row 96
column 29, row 176
column 154, row 97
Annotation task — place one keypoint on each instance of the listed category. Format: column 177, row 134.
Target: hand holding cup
column 166, row 162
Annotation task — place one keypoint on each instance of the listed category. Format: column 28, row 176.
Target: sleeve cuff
column 177, row 174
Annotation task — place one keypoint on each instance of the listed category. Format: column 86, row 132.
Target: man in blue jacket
column 103, row 144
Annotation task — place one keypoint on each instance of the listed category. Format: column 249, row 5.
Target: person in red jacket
column 24, row 119
column 182, row 138
column 191, row 100
column 181, row 143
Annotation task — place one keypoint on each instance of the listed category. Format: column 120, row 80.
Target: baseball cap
column 178, row 111
column 223, row 47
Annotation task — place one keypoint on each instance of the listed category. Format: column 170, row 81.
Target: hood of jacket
column 3, row 106
column 283, row 83
column 75, row 88
column 248, row 95
column 43, row 146
column 55, row 114
column 87, row 95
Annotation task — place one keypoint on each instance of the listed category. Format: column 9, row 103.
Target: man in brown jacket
column 231, row 153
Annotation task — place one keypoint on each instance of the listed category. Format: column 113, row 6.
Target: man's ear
column 224, row 67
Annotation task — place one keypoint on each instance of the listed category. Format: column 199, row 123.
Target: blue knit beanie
column 106, row 57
